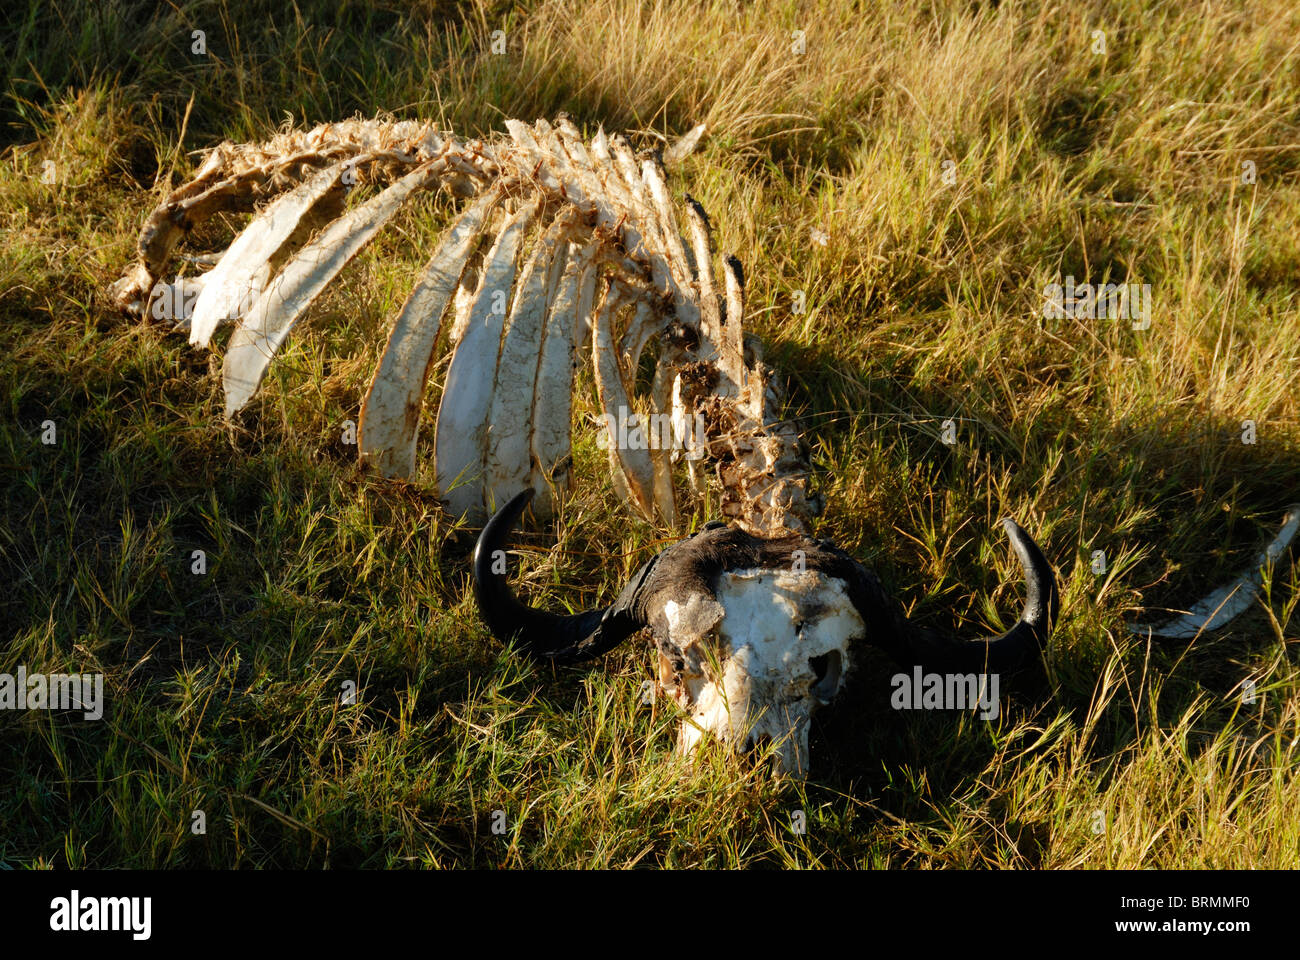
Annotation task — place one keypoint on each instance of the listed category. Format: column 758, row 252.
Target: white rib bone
column 583, row 174
column 390, row 414
column 467, row 395
column 620, row 201
column 600, row 146
column 661, row 400
column 731, row 356
column 243, row 271
column 647, row 323
column 271, row 318
column 584, row 320
column 176, row 300
column 662, row 466
column 653, row 175
column 629, row 464
column 570, row 314
column 463, row 303
column 710, row 314
column 507, row 465
column 638, row 196
column 654, row 230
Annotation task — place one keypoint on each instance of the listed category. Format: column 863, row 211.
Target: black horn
column 545, row 636
column 1013, row 649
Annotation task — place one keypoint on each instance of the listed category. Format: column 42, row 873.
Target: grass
column 924, row 304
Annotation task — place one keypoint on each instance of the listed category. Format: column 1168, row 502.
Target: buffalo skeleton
column 566, row 246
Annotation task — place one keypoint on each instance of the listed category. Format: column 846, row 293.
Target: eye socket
column 827, row 670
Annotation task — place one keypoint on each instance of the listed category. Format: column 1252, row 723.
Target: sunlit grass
column 924, row 304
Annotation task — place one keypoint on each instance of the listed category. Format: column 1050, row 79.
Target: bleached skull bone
column 753, row 634
column 752, row 664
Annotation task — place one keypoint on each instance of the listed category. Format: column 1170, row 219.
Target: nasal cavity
column 827, row 670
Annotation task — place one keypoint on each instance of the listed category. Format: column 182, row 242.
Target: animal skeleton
column 602, row 261
column 565, row 245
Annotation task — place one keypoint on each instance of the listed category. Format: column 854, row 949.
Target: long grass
column 913, row 178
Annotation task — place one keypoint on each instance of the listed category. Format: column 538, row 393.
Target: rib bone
column 243, row 271
column 390, row 415
column 270, row 319
column 507, row 463
column 630, row 464
column 551, row 439
column 467, row 396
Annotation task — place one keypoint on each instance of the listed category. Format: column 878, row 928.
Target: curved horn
column 1018, row 645
column 546, row 636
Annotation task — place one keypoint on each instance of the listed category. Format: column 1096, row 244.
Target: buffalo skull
column 753, row 634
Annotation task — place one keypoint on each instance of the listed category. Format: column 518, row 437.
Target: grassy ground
column 924, row 303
